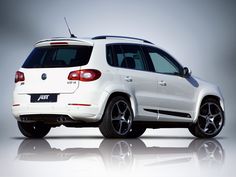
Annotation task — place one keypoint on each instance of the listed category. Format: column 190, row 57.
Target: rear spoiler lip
column 89, row 43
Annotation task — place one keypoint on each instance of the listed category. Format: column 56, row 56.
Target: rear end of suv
column 121, row 85
column 56, row 85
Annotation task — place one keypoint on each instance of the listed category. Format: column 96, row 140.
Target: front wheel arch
column 215, row 97
column 211, row 116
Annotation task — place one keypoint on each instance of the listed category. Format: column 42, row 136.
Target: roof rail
column 124, row 37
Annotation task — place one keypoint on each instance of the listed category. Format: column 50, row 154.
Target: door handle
column 128, row 79
column 162, row 83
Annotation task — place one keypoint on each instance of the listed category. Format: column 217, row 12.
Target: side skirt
column 156, row 124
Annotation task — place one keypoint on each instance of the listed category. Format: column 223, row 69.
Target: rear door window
column 58, row 56
column 126, row 56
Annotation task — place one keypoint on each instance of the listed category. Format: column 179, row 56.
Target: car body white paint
column 144, row 88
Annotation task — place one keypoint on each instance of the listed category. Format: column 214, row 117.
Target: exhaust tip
column 61, row 119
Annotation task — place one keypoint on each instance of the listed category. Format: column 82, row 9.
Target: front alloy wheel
column 210, row 120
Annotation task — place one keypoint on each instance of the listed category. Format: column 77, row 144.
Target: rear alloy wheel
column 136, row 132
column 210, row 120
column 34, row 130
column 117, row 119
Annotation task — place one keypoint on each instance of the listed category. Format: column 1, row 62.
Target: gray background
column 200, row 34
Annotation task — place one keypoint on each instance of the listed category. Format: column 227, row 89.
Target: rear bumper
column 89, row 109
column 84, row 113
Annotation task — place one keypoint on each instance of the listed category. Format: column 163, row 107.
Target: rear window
column 58, row 56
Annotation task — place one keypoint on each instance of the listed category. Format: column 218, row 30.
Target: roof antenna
column 71, row 35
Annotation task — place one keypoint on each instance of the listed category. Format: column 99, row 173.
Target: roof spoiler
column 70, row 40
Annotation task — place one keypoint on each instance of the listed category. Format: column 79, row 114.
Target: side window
column 162, row 63
column 118, row 54
column 109, row 55
column 126, row 56
column 132, row 57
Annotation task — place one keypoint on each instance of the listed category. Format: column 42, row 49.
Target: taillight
column 84, row 75
column 19, row 76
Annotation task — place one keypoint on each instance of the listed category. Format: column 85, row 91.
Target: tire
column 33, row 130
column 117, row 118
column 136, row 132
column 210, row 120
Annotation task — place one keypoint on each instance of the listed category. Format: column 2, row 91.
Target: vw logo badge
column 44, row 76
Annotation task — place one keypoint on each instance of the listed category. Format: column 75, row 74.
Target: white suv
column 122, row 85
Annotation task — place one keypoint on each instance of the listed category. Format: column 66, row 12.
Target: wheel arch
column 126, row 96
column 211, row 96
column 203, row 98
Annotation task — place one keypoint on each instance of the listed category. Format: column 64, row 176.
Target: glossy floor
column 92, row 155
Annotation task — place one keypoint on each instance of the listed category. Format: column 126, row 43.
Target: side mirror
column 186, row 72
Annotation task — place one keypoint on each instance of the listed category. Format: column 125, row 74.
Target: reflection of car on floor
column 122, row 153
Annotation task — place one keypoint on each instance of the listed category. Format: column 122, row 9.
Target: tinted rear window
column 58, row 56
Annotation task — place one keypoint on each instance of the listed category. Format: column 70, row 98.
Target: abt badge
column 43, row 97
